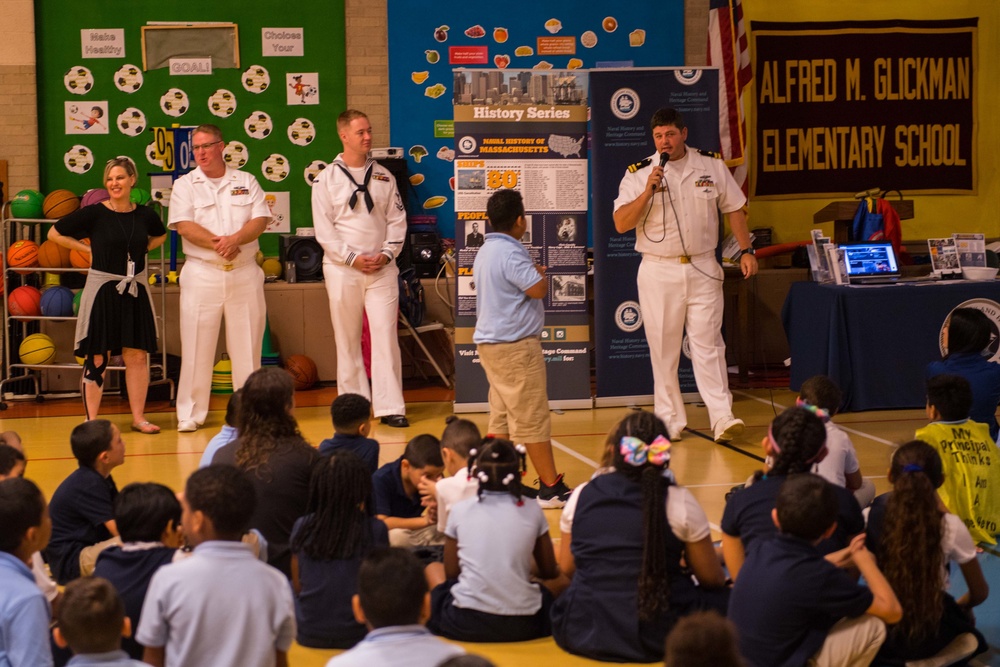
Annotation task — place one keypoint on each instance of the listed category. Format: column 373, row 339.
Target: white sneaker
column 728, row 428
column 187, row 426
column 675, row 435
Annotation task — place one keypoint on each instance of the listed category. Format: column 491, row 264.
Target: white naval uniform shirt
column 698, row 187
column 345, row 232
column 222, row 209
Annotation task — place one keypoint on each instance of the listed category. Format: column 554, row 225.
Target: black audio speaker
column 306, row 253
column 425, row 253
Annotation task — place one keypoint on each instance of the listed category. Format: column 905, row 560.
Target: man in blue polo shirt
column 510, row 315
column 24, row 612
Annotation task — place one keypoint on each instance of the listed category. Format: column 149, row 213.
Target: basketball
column 76, row 303
column 140, row 196
column 27, row 204
column 57, row 302
column 95, row 196
column 272, row 268
column 25, row 302
column 37, row 349
column 22, row 253
column 60, row 203
column 51, row 255
column 303, row 371
column 79, row 259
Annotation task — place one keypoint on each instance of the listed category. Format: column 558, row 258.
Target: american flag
column 729, row 51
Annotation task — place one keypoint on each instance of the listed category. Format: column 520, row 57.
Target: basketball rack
column 17, row 327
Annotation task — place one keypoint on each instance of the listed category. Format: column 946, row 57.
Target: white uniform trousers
column 352, row 294
column 674, row 295
column 208, row 293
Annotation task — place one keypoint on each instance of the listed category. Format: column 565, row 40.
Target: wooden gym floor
column 708, row 469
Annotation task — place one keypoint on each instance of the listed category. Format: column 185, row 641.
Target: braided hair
column 498, row 465
column 337, row 523
column 654, row 583
column 911, row 556
column 800, row 438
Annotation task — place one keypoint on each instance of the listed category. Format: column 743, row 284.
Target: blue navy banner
column 622, row 103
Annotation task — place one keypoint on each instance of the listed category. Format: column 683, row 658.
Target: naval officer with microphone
column 672, row 200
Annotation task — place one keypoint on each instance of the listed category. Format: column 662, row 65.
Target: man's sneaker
column 555, row 496
column 728, row 428
column 528, row 491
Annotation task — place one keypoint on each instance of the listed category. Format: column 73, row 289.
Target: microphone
column 664, row 158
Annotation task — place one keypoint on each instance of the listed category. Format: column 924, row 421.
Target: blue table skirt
column 873, row 341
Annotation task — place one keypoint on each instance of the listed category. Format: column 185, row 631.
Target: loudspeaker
column 425, row 253
column 306, row 253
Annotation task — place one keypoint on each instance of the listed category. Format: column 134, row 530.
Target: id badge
column 130, row 269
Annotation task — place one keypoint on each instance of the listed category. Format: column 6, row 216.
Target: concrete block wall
column 18, row 97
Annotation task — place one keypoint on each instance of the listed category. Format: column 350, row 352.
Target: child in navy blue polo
column 149, row 521
column 82, row 508
column 791, row 606
column 397, row 494
column 351, row 414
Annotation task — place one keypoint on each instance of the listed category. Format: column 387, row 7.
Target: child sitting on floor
column 83, row 517
column 489, row 595
column 148, row 516
column 352, row 414
column 791, row 606
column 393, row 601
column 460, row 437
column 915, row 540
column 328, row 544
column 971, row 486
column 228, row 432
column 396, row 487
column 24, row 613
column 92, row 622
column 840, row 465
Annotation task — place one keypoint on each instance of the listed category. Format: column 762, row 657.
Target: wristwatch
column 746, row 251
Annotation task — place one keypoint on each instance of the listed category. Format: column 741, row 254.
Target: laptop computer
column 871, row 263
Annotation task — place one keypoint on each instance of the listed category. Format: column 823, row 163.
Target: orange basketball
column 79, row 259
column 60, row 203
column 51, row 255
column 303, row 371
column 22, row 253
column 25, row 302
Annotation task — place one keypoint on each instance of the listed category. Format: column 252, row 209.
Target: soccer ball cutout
column 174, row 102
column 256, row 79
column 78, row 159
column 128, row 78
column 151, row 155
column 301, row 132
column 311, row 172
column 78, row 80
column 236, row 154
column 258, row 125
column 131, row 122
column 222, row 103
column 275, row 167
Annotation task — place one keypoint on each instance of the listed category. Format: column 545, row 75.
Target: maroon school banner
column 851, row 105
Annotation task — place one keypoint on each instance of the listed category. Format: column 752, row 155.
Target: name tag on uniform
column 239, row 190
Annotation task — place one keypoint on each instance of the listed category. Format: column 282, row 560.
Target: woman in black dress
column 116, row 311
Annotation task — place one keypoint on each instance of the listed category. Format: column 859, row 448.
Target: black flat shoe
column 395, row 421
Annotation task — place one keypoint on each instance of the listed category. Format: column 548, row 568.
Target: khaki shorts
column 519, row 400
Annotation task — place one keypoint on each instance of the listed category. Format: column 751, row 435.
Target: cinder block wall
column 18, row 98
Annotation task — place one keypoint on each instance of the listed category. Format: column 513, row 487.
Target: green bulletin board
column 96, row 102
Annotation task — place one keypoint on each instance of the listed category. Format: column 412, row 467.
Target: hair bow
column 822, row 413
column 637, row 453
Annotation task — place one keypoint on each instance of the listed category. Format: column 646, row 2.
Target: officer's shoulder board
column 717, row 156
column 639, row 165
